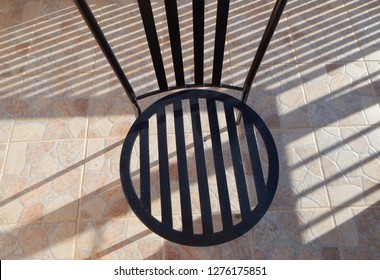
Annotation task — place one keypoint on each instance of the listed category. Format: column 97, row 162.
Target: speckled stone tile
column 277, row 95
column 9, row 94
column 327, row 6
column 298, row 234
column 126, row 239
column 364, row 16
column 16, row 32
column 37, row 241
column 359, row 230
column 322, row 34
column 41, row 182
column 3, row 150
column 62, row 42
column 374, row 75
column 340, row 94
column 301, row 183
column 110, row 111
column 246, row 24
column 350, row 161
column 52, row 107
column 240, row 248
column 123, row 28
column 102, row 195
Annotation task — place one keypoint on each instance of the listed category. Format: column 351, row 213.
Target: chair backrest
column 172, row 17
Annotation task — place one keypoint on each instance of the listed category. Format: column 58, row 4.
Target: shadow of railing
column 54, row 82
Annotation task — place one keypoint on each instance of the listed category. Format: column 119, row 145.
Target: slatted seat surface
column 251, row 204
column 206, row 197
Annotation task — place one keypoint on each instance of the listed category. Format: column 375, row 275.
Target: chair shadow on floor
column 66, row 94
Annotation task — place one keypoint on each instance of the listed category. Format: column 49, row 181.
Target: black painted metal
column 145, row 167
column 175, row 40
column 183, row 177
column 154, row 46
column 106, row 48
column 263, row 46
column 220, row 39
column 220, row 174
column 249, row 216
column 204, row 195
column 141, row 202
column 198, row 37
column 166, row 206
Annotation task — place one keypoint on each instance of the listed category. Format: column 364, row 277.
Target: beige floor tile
column 322, row 35
column 52, row 107
column 328, row 6
column 16, row 31
column 298, row 234
column 359, row 230
column 56, row 86
column 10, row 87
column 110, row 111
column 102, row 195
column 3, row 150
column 37, row 241
column 364, row 17
column 374, row 75
column 277, row 95
column 350, row 161
column 62, row 42
column 340, row 94
column 126, row 239
column 239, row 248
column 41, row 182
column 247, row 22
column 301, row 182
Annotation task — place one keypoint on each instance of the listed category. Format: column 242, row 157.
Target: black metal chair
column 237, row 114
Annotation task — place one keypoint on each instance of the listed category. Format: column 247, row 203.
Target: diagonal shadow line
column 336, row 209
column 373, row 157
column 60, row 173
column 119, row 245
column 337, row 145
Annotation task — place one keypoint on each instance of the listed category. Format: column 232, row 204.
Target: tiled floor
column 63, row 117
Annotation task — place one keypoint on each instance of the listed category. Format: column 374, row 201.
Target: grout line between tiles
column 80, row 199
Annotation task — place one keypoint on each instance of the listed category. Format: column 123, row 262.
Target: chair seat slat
column 145, row 167
column 183, row 177
column 163, row 159
column 241, row 184
column 204, row 195
column 258, row 175
column 224, row 200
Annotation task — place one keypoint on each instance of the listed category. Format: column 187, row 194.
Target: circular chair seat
column 236, row 209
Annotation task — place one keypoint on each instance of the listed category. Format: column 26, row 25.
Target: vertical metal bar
column 264, row 43
column 241, row 184
column 183, row 177
column 220, row 171
column 204, row 195
column 163, row 161
column 145, row 167
column 220, row 39
column 198, row 34
column 175, row 40
column 152, row 38
column 257, row 169
column 96, row 31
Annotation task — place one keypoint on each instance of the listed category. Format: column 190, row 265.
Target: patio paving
column 63, row 118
